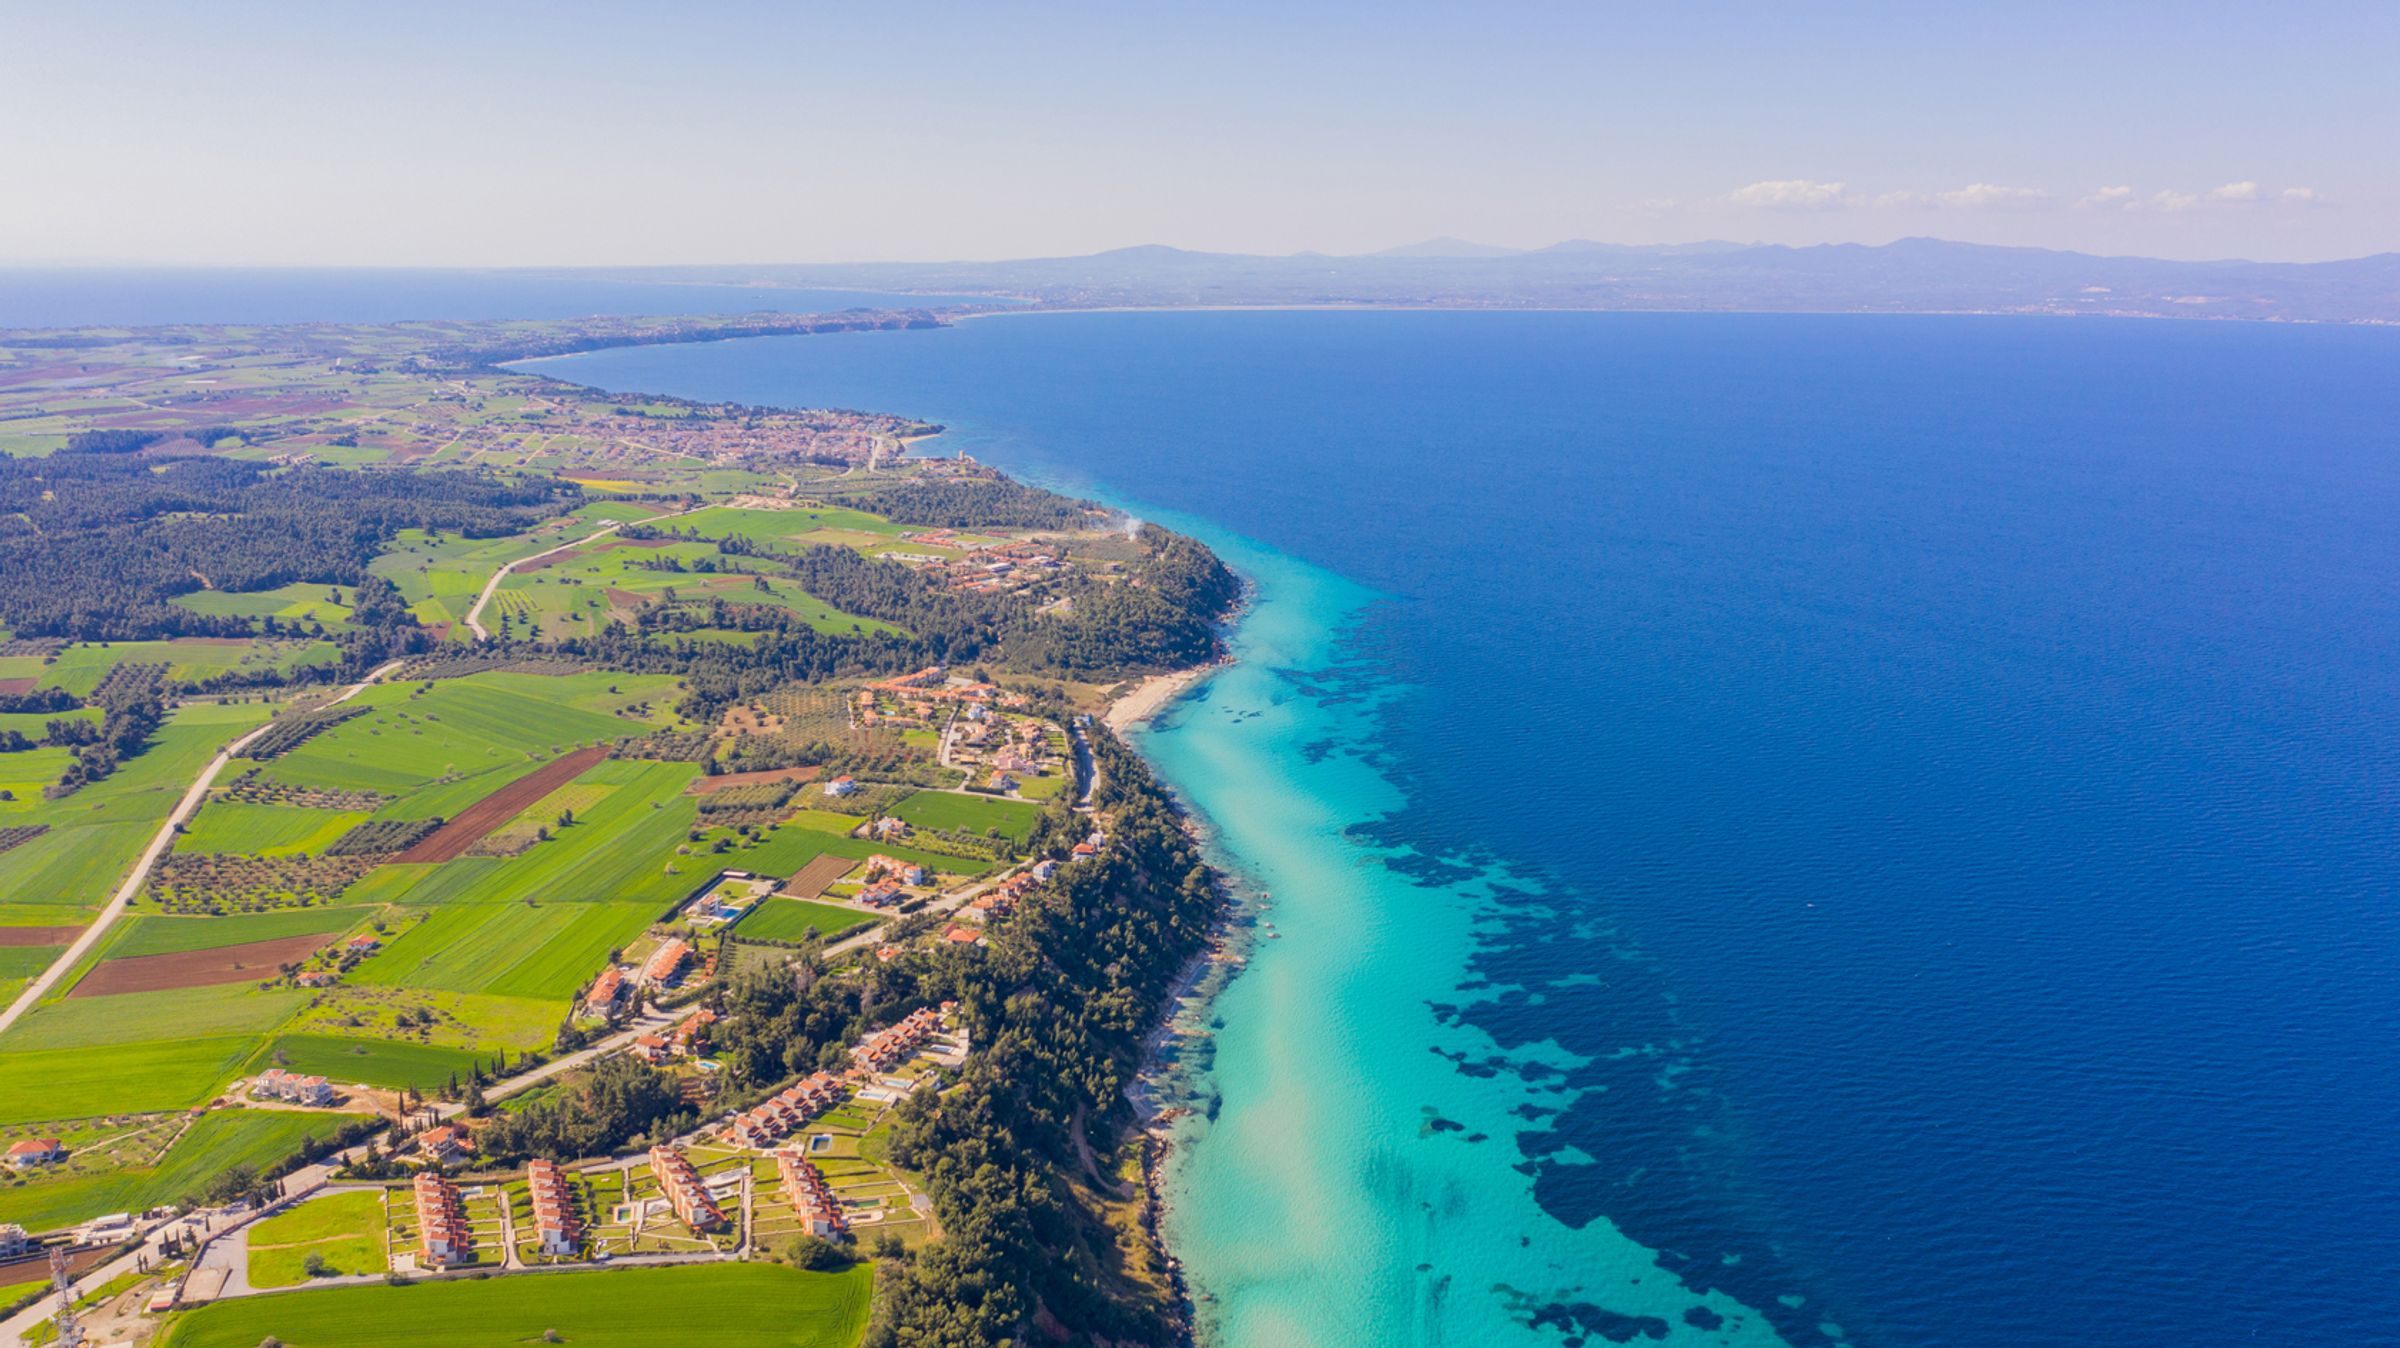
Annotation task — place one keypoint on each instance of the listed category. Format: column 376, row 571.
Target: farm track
column 451, row 840
column 536, row 562
column 159, row 843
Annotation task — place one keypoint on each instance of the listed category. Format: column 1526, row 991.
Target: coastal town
column 629, row 873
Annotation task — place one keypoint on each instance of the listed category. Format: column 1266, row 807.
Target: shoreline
column 1221, row 957
column 1146, row 699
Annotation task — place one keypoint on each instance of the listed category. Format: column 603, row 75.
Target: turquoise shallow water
column 1339, row 1185
column 1880, row 827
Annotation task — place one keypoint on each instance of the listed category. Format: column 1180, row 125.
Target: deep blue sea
column 63, row 297
column 1862, row 830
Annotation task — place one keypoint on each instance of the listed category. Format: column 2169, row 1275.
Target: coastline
column 1152, row 695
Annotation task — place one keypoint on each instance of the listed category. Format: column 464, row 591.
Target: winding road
column 492, row 586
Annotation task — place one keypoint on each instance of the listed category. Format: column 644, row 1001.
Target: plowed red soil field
column 32, row 936
column 451, row 840
column 198, row 968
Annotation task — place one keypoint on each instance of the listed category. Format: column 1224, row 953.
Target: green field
column 132, row 1017
column 784, row 849
column 300, row 602
column 79, row 668
column 76, row 1083
column 511, row 950
column 34, row 724
column 724, row 1305
column 374, row 1062
column 215, row 1143
column 950, row 812
column 500, row 725
column 232, row 827
column 345, row 1230
column 441, row 577
column 785, row 525
column 24, row 961
column 475, row 1023
column 791, row 920
column 162, row 934
column 96, row 833
column 581, row 593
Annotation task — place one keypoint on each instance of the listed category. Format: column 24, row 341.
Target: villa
column 666, row 961
column 277, row 1084
column 553, row 1207
column 442, row 1223
column 606, row 989
column 35, row 1151
column 889, row 1047
column 784, row 1112
column 445, row 1145
column 811, row 1199
column 685, row 1193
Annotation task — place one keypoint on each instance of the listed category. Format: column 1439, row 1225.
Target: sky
column 429, row 134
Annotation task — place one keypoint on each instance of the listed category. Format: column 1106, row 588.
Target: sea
column 1811, row 830
column 1817, row 830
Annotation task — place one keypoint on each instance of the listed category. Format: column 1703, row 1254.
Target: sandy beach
column 1151, row 694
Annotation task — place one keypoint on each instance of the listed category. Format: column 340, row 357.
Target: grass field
column 491, row 723
column 782, row 919
column 34, row 724
column 763, row 525
column 441, row 577
column 345, row 1230
column 132, row 1017
column 215, row 1143
column 371, row 1061
column 950, row 812
column 160, row 934
column 724, row 1305
column 233, row 827
column 328, row 605
column 76, row 1083
column 579, row 594
column 784, row 849
column 79, row 668
column 477, row 1024
column 96, row 833
column 511, row 950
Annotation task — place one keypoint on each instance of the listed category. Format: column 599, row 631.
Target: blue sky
column 432, row 134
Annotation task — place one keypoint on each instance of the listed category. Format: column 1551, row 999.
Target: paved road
column 165, row 838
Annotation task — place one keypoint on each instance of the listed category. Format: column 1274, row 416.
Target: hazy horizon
column 1402, row 250
column 605, row 135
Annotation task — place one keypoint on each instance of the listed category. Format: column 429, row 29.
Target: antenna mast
column 70, row 1334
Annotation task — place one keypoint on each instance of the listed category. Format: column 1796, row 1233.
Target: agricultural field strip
column 475, row 615
column 165, row 838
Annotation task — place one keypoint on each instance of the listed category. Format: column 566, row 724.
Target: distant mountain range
column 1911, row 275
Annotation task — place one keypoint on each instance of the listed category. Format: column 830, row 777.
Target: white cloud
column 1792, row 194
column 2238, row 194
column 2299, row 196
column 1992, row 196
column 2112, row 198
column 2174, row 201
column 1972, row 197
